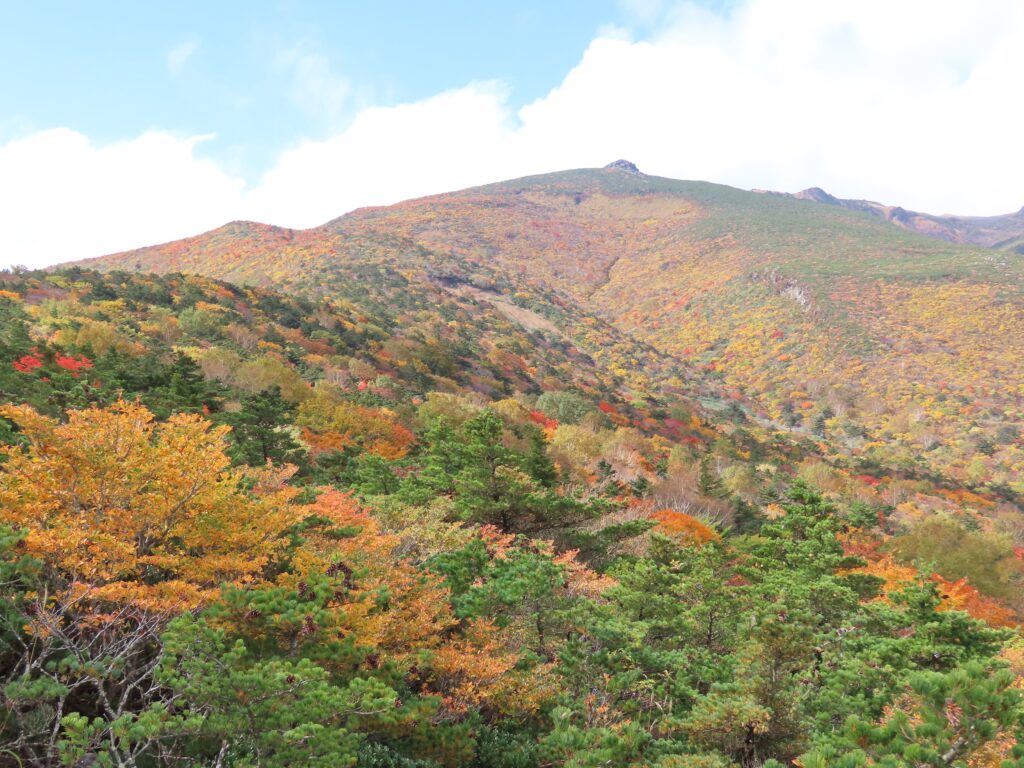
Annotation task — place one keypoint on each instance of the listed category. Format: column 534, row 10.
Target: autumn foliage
column 592, row 469
column 126, row 509
column 683, row 527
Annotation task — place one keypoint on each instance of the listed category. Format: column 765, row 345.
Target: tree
column 492, row 483
column 986, row 559
column 266, row 711
column 131, row 522
column 946, row 720
column 647, row 649
column 260, row 431
column 518, row 583
column 373, row 430
column 183, row 389
column 128, row 509
column 708, row 482
column 565, row 407
column 537, row 462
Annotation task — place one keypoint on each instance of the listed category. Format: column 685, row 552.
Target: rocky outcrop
column 623, row 165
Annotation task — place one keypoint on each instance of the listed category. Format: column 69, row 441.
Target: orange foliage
column 895, row 577
column 128, row 510
column 954, row 595
column 960, row 596
column 323, row 442
column 683, row 527
column 478, row 670
column 343, row 423
column 415, row 630
column 418, row 612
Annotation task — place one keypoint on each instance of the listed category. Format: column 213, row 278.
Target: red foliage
column 32, row 361
column 27, row 363
column 867, row 479
column 73, row 364
column 539, row 418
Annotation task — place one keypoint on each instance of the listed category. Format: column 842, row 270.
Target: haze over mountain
column 826, row 319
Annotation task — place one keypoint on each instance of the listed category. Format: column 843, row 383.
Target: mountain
column 591, row 468
column 892, row 348
column 1004, row 232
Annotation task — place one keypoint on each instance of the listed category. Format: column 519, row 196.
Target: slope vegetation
column 891, row 347
column 1004, row 232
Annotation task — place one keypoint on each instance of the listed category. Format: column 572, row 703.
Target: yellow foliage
column 130, row 510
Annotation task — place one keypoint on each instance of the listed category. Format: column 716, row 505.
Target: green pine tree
column 260, row 431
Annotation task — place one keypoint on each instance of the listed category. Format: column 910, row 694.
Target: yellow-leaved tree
column 122, row 509
column 130, row 522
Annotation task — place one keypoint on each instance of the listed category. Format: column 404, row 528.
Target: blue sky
column 113, row 70
column 124, row 124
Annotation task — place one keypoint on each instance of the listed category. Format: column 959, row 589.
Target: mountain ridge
column 821, row 318
column 1002, row 231
column 994, row 231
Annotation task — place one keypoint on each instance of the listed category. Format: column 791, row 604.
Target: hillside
column 1004, row 232
column 399, row 519
column 892, row 348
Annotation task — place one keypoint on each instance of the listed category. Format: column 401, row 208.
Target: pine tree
column 953, row 716
column 187, row 389
column 537, row 463
column 260, row 431
column 708, row 482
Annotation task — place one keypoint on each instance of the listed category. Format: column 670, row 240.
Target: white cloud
column 912, row 103
column 643, row 11
column 179, row 55
column 453, row 140
column 64, row 198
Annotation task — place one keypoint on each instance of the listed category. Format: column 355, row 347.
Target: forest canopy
column 243, row 529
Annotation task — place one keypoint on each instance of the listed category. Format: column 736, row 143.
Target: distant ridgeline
column 586, row 469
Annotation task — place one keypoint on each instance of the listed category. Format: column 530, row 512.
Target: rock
column 898, row 215
column 624, row 165
column 818, row 195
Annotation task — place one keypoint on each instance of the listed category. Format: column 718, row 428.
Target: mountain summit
column 623, row 165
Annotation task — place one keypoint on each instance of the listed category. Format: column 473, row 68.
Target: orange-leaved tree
column 400, row 615
column 684, row 528
column 332, row 423
column 122, row 509
column 130, row 522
